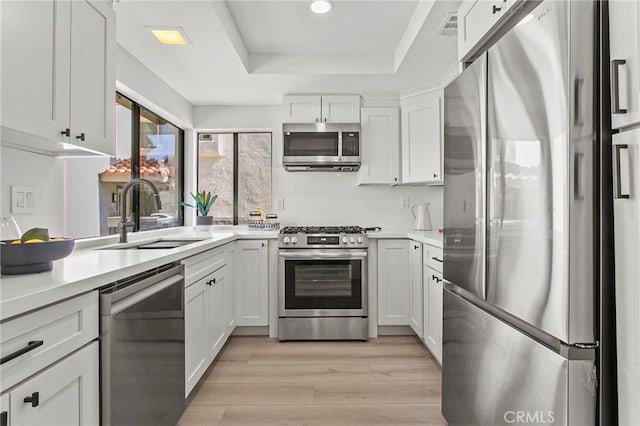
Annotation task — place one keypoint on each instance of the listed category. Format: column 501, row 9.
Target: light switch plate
column 23, row 199
column 280, row 204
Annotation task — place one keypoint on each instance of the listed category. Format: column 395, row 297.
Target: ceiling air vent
column 449, row 26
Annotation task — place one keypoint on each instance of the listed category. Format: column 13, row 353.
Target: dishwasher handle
column 127, row 302
column 122, row 295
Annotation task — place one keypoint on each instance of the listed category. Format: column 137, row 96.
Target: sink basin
column 159, row 244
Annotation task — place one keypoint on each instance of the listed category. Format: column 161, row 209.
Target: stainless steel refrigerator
column 521, row 228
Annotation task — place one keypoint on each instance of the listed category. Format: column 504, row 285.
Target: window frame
column 236, row 138
column 136, row 199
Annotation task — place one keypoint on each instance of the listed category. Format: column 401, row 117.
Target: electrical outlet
column 23, row 199
column 280, row 204
column 404, row 202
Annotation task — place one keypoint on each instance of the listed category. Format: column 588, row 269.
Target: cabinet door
column 393, row 282
column 433, row 323
column 624, row 46
column 251, row 283
column 215, row 313
column 65, row 393
column 4, row 410
column 422, row 141
column 301, row 109
column 35, row 67
column 476, row 18
column 415, row 305
column 380, row 146
column 92, row 74
column 230, row 292
column 196, row 306
column 341, row 109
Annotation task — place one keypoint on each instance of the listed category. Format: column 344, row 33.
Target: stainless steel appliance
column 322, row 291
column 321, row 147
column 142, row 349
column 624, row 67
column 522, row 229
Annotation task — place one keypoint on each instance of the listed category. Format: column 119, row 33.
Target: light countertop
column 90, row 267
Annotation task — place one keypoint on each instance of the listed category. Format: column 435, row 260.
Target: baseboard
column 251, row 330
column 395, row 330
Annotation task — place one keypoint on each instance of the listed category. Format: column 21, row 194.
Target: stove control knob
column 353, row 240
column 345, row 240
column 285, row 240
column 294, row 240
column 360, row 240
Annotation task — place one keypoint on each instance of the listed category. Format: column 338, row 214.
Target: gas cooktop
column 322, row 230
column 323, row 237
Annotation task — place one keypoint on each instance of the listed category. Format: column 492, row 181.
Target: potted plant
column 203, row 202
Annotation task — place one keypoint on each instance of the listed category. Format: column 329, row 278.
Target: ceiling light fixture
column 170, row 37
column 321, row 6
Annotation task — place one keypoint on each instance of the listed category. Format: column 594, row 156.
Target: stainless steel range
column 323, row 283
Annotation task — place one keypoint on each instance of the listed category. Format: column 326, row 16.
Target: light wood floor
column 261, row 381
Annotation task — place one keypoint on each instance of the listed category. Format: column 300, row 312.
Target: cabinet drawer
column 433, row 257
column 203, row 264
column 62, row 328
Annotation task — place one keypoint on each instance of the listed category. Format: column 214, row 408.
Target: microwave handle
column 340, row 145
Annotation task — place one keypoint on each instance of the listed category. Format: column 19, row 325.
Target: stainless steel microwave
column 321, row 147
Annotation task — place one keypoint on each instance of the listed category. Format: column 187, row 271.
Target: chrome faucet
column 123, row 224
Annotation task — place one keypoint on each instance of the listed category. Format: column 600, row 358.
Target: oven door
column 323, row 283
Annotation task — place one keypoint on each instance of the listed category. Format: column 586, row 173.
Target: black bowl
column 35, row 257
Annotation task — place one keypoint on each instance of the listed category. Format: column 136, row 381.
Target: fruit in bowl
column 35, row 251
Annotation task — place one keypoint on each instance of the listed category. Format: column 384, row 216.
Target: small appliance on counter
column 322, row 283
column 422, row 216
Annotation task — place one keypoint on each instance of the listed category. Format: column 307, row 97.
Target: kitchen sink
column 159, row 244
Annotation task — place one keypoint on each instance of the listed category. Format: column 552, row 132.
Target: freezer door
column 540, row 173
column 495, row 375
column 626, row 208
column 464, row 182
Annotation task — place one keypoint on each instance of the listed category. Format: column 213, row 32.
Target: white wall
column 138, row 82
column 82, row 195
column 44, row 173
column 321, row 198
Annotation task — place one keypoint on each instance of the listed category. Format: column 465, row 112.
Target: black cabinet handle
column 30, row 346
column 34, row 399
column 495, row 9
column 436, row 259
column 214, row 280
column 66, row 132
column 262, row 244
column 416, row 247
column 4, row 418
column 615, row 90
column 80, row 137
column 209, row 282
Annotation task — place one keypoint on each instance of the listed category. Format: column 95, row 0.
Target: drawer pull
column 30, row 346
column 34, row 399
column 495, row 9
column 436, row 259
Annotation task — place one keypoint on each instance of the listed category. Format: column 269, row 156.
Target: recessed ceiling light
column 321, row 6
column 171, row 37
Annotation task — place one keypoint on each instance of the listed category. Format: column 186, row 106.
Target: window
column 237, row 167
column 149, row 147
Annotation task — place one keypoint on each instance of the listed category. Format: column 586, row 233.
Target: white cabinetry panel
column 393, row 282
column 252, row 283
column 416, row 298
column 380, row 146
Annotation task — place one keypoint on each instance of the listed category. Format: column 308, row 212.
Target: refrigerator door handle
column 621, row 177
column 615, row 90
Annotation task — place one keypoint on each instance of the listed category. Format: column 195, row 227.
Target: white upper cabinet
column 422, row 136
column 321, row 109
column 476, row 18
column 58, row 73
column 380, row 146
column 624, row 18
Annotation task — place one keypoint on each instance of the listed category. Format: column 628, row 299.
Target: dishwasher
column 142, row 348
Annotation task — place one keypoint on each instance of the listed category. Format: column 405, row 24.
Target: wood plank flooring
column 261, row 381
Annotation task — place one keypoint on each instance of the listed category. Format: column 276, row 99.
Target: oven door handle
column 318, row 254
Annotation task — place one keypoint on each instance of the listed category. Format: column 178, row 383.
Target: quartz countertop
column 433, row 238
column 90, row 266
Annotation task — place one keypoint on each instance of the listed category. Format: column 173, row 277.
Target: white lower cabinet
column 432, row 293
column 216, row 326
column 393, row 282
column 252, row 283
column 416, row 299
column 229, row 290
column 67, row 393
column 195, row 336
